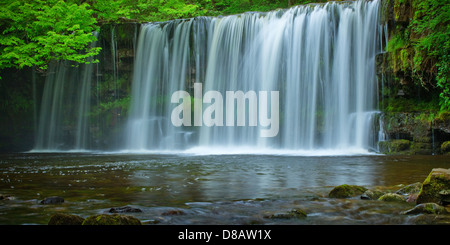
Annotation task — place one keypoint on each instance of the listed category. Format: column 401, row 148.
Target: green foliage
column 421, row 47
column 443, row 81
column 35, row 33
column 431, row 22
column 410, row 105
column 395, row 43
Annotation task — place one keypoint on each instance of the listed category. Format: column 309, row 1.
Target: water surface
column 207, row 189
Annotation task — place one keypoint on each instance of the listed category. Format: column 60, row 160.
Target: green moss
column 421, row 148
column 410, row 189
column 402, row 104
column 443, row 117
column 400, row 145
column 65, row 219
column 418, row 48
column 426, row 208
column 344, row 191
column 436, row 181
column 115, row 219
column 445, row 147
column 394, row 146
column 392, row 197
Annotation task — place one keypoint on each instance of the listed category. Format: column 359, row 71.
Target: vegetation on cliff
column 419, row 47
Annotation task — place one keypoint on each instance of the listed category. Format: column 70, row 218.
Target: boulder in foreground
column 437, row 181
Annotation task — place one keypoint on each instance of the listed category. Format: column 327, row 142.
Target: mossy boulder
column 65, row 219
column 438, row 180
column 345, row 191
column 399, row 145
column 114, row 219
column 445, row 147
column 392, row 197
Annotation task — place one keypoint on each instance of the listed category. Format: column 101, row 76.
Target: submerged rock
column 173, row 212
column 426, row 208
column 111, row 219
column 294, row 213
column 438, row 180
column 392, row 197
column 125, row 209
column 6, row 197
column 344, row 191
column 52, row 200
column 65, row 219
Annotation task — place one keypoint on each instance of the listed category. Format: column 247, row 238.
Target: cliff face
column 411, row 119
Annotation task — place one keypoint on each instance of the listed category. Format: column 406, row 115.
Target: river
column 220, row 189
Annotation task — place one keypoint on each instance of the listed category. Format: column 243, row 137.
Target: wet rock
column 426, row 208
column 125, row 209
column 392, row 197
column 445, row 197
column 111, row 219
column 344, row 191
column 65, row 219
column 410, row 189
column 372, row 195
column 432, row 219
column 438, row 180
column 6, row 197
column 52, row 200
column 412, row 198
column 294, row 213
column 412, row 133
column 173, row 212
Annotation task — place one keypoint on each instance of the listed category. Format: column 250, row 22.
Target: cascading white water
column 63, row 119
column 319, row 57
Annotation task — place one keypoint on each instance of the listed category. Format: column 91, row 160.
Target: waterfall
column 63, row 118
column 63, row 122
column 319, row 57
